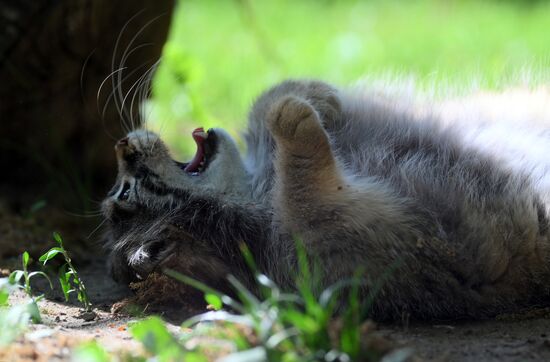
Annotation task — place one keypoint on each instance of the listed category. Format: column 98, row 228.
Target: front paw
column 296, row 126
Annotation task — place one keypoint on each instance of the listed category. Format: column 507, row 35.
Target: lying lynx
column 445, row 212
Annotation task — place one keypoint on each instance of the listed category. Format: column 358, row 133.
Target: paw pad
column 294, row 123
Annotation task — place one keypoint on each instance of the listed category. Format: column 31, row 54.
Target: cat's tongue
column 199, row 136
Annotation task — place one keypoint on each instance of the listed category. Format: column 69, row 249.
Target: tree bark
column 54, row 56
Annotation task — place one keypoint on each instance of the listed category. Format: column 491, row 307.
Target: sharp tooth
column 201, row 134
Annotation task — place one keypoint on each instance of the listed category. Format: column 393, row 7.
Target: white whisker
column 96, row 229
column 135, row 86
column 144, row 90
column 112, row 95
column 124, row 112
column 115, row 51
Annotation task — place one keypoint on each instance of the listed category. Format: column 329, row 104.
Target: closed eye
column 125, row 192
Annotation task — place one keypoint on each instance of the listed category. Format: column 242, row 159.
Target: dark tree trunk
column 54, row 55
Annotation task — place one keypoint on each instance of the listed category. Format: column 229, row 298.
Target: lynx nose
column 122, row 143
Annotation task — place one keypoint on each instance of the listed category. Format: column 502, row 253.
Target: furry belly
column 512, row 127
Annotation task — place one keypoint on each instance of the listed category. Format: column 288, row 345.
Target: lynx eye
column 125, row 192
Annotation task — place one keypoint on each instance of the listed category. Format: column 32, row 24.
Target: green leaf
column 190, row 281
column 350, row 340
column 4, row 296
column 246, row 297
column 223, row 316
column 44, row 275
column 214, row 300
column 256, row 354
column 50, row 254
column 64, row 281
column 195, row 357
column 58, row 238
column 14, row 321
column 90, row 352
column 34, row 312
column 26, row 258
column 248, row 257
column 303, row 322
column 16, row 276
column 156, row 339
column 227, row 300
column 37, row 206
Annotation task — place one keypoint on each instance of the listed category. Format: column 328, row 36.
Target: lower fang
column 194, row 173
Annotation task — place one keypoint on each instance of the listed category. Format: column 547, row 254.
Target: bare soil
column 523, row 336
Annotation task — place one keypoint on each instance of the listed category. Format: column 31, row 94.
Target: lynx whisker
column 133, row 91
column 113, row 96
column 143, row 92
column 96, row 229
column 124, row 112
column 101, row 87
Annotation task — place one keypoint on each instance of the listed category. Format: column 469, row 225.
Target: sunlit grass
column 222, row 54
column 270, row 325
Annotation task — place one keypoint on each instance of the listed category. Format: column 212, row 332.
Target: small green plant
column 34, row 208
column 68, row 276
column 15, row 279
column 271, row 326
column 160, row 343
column 15, row 319
column 298, row 326
column 90, row 352
column 288, row 327
column 4, row 294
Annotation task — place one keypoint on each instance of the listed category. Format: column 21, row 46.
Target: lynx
column 446, row 213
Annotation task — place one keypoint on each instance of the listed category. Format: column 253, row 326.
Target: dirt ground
column 520, row 337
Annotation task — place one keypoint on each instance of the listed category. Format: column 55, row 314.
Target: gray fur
column 442, row 227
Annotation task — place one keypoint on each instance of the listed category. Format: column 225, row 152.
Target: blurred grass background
column 221, row 54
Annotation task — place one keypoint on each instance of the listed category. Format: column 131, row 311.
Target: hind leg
column 304, row 154
column 315, row 199
column 309, row 185
column 306, row 168
column 340, row 223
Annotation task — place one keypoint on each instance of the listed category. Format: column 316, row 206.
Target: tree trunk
column 54, row 56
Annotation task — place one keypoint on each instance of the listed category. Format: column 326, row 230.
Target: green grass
column 221, row 54
column 272, row 325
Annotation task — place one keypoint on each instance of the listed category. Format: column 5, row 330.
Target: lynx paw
column 296, row 126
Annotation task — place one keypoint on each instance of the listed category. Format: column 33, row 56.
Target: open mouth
column 206, row 148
